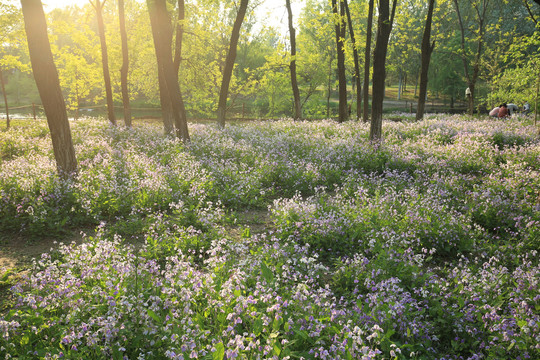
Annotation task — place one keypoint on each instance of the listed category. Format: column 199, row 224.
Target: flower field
column 422, row 247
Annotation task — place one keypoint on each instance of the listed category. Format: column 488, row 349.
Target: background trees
column 259, row 85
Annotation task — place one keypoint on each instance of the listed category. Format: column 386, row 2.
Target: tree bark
column 162, row 32
column 329, row 89
column 164, row 98
column 356, row 79
column 427, row 49
column 536, row 102
column 98, row 6
column 229, row 63
column 367, row 58
column 125, row 64
column 384, row 27
column 48, row 85
column 342, row 79
column 179, row 36
column 5, row 97
column 292, row 65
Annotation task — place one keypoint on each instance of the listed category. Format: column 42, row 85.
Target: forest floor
column 17, row 252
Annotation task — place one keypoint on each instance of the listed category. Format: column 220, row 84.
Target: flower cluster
column 424, row 246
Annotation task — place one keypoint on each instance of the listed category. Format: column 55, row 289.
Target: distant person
column 494, row 112
column 503, row 111
column 526, row 108
column 512, row 108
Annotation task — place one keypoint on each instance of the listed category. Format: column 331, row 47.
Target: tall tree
column 340, row 38
column 427, row 49
column 480, row 11
column 356, row 77
column 229, row 63
column 162, row 32
column 384, row 28
column 10, row 18
column 48, row 85
column 125, row 64
column 5, row 97
column 292, row 65
column 367, row 58
column 179, row 35
column 98, row 7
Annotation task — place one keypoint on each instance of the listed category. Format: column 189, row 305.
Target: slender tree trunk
column 48, row 85
column 162, row 32
column 98, row 6
column 536, row 103
column 229, row 63
column 179, row 36
column 5, row 97
column 416, row 80
column 342, row 79
column 292, row 65
column 367, row 58
column 400, row 85
column 356, row 78
column 427, row 49
column 384, row 27
column 125, row 64
column 329, row 92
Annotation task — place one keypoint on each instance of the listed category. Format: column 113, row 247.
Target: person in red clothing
column 503, row 111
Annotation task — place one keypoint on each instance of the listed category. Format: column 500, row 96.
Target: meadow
column 424, row 246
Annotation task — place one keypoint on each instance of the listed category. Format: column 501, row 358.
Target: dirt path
column 17, row 252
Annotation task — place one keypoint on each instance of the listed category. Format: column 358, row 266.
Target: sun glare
column 51, row 4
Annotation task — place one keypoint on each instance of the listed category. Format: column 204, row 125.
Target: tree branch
column 529, row 11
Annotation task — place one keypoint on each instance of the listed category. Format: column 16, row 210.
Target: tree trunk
column 164, row 98
column 229, row 63
column 125, row 64
column 165, row 101
column 179, row 36
column 98, row 6
column 416, row 80
column 342, row 79
column 48, row 85
column 400, row 85
column 162, row 32
column 292, row 65
column 329, row 88
column 427, row 49
column 536, row 103
column 384, row 27
column 356, row 79
column 367, row 58
column 5, row 97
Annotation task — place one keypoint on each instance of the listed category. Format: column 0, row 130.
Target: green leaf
column 267, row 273
column 219, row 354
column 154, row 316
column 25, row 340
column 257, row 327
column 277, row 349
